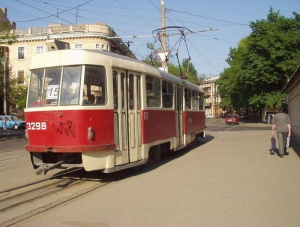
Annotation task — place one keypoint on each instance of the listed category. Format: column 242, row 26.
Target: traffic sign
column 163, row 55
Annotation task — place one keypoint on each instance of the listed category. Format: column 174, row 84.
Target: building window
column 21, row 77
column 39, row 49
column 78, row 46
column 97, row 46
column 104, row 47
column 21, row 52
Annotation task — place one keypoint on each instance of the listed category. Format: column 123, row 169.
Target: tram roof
column 92, row 57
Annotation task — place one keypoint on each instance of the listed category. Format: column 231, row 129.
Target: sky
column 211, row 27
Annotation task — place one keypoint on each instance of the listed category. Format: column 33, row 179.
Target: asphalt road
column 230, row 180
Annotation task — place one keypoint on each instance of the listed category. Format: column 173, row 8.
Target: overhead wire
column 210, row 18
column 134, row 36
column 203, row 56
column 133, row 13
column 183, row 37
column 43, row 11
column 51, row 15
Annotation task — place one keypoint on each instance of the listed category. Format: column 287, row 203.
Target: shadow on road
column 171, row 156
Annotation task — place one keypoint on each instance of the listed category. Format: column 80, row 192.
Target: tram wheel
column 157, row 154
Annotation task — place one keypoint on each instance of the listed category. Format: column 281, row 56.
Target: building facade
column 33, row 41
column 292, row 88
column 211, row 97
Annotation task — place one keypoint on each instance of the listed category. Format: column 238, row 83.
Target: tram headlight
column 90, row 133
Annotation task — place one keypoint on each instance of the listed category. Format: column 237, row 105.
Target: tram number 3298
column 36, row 126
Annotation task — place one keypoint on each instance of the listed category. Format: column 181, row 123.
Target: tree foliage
column 6, row 37
column 262, row 62
column 152, row 58
column 15, row 92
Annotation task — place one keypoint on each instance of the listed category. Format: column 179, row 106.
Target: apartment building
column 33, row 41
column 211, row 97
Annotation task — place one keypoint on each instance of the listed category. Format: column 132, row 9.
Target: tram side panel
column 194, row 123
column 158, row 125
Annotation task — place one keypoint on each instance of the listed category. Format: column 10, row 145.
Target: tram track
column 15, row 165
column 13, row 158
column 37, row 197
column 13, row 161
column 51, row 205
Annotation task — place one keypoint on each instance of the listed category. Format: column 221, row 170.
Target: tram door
column 179, row 110
column 127, row 115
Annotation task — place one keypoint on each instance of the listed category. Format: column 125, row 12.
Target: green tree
column 202, row 77
column 6, row 39
column 16, row 94
column 229, row 85
column 262, row 62
column 152, row 58
column 189, row 69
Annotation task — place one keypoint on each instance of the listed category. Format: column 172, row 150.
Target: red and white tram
column 102, row 111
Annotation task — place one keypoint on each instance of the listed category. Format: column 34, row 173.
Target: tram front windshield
column 61, row 86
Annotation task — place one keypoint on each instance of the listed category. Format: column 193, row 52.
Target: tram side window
column 195, row 100
column 131, row 91
column 35, row 88
column 188, row 99
column 153, row 91
column 95, row 84
column 138, row 84
column 51, row 85
column 201, row 101
column 115, row 89
column 123, row 89
column 70, row 85
column 167, row 92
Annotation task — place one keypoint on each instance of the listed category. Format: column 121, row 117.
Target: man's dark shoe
column 286, row 153
column 282, row 156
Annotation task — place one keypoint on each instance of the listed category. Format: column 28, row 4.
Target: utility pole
column 4, row 62
column 4, row 86
column 164, row 35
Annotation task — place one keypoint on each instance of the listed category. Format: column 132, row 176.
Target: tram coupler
column 46, row 167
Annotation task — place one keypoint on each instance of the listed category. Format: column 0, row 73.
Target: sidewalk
column 232, row 180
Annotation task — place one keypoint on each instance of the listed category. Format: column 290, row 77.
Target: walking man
column 281, row 122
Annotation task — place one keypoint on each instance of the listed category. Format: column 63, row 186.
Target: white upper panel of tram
column 104, row 58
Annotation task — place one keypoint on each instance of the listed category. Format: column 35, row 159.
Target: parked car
column 12, row 122
column 232, row 119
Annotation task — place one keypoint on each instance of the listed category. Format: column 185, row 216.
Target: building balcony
column 100, row 28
